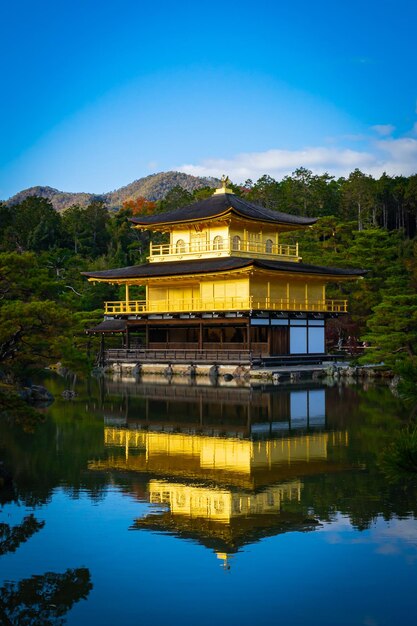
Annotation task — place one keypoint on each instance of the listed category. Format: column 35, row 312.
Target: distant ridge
column 152, row 187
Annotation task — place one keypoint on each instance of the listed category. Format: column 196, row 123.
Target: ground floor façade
column 261, row 333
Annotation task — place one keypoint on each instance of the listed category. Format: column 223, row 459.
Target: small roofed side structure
column 109, row 326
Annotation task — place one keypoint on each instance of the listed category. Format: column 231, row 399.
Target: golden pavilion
column 225, row 283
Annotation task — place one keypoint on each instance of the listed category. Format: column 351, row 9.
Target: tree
column 175, row 198
column 97, row 218
column 410, row 198
column 393, row 330
column 75, row 225
column 31, row 333
column 36, row 225
column 25, row 277
column 358, row 195
column 140, row 206
column 202, row 193
column 266, row 192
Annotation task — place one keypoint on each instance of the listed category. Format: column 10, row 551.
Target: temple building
column 224, row 282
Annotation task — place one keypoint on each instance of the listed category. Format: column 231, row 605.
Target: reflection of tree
column 39, row 600
column 12, row 536
column 398, row 460
column 43, row 600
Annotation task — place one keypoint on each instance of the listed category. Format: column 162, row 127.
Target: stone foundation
column 185, row 372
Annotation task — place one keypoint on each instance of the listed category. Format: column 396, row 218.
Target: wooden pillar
column 269, row 338
column 248, row 342
column 146, row 335
column 127, row 340
column 127, row 297
column 102, row 347
column 200, row 336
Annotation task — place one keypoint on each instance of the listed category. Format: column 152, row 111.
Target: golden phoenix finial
column 225, row 180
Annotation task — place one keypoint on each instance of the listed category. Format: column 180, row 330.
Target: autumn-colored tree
column 140, row 206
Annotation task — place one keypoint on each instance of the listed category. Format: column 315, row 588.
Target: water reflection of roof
column 227, row 538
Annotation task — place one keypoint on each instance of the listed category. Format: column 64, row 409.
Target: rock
column 206, row 370
column 36, row 394
column 331, row 370
column 183, row 370
column 68, row 394
column 227, row 377
column 241, row 372
column 351, row 372
column 261, row 375
column 279, row 377
column 97, row 372
column 387, row 374
column 394, row 383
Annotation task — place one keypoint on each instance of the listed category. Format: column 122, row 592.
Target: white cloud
column 383, row 129
column 398, row 536
column 394, row 156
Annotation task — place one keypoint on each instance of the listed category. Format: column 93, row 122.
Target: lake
column 158, row 503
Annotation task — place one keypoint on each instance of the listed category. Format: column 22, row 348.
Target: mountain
column 153, row 187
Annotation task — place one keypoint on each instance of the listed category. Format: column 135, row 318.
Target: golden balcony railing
column 225, row 247
column 197, row 305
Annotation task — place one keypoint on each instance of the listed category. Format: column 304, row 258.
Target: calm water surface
column 154, row 503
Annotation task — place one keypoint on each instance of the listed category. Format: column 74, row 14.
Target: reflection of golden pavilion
column 240, row 462
column 222, row 492
column 221, row 505
column 222, row 467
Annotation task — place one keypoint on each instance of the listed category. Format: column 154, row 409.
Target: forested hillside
column 45, row 304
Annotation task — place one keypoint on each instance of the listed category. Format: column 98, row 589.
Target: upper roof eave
column 218, row 206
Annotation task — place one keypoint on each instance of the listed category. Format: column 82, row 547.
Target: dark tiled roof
column 223, row 264
column 306, row 268
column 109, row 326
column 219, row 204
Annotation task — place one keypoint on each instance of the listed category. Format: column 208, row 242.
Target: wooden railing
column 197, row 305
column 179, row 356
column 224, row 248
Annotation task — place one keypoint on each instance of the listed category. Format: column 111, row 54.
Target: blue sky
column 97, row 94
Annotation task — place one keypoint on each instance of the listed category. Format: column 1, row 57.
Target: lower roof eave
column 222, row 265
